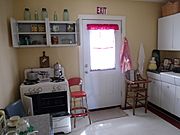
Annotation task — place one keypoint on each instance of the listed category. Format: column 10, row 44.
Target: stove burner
column 61, row 79
column 31, row 82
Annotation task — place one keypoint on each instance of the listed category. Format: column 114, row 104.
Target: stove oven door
column 28, row 105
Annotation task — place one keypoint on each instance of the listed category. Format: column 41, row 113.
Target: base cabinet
column 164, row 91
column 177, row 101
column 167, row 97
column 154, row 92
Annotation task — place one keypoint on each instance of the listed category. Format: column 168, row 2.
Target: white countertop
column 172, row 74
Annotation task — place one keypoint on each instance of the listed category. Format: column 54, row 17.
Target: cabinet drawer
column 167, row 78
column 154, row 75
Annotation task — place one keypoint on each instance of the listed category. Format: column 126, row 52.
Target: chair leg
column 146, row 101
column 126, row 93
column 88, row 111
column 74, row 122
column 136, row 99
column 82, row 102
column 134, row 102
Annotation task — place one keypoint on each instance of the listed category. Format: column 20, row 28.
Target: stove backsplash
column 44, row 74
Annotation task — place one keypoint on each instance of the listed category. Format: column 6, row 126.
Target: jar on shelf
column 54, row 39
column 55, row 16
column 27, row 14
column 44, row 14
column 36, row 16
column 65, row 15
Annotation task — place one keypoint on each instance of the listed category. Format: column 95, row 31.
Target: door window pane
column 102, row 49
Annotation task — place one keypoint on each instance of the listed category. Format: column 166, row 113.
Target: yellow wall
column 141, row 26
column 9, row 76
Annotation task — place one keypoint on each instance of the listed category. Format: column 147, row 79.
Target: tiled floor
column 140, row 124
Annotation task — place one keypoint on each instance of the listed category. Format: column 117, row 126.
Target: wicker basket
column 170, row 8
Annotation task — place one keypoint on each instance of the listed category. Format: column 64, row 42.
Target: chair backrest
column 75, row 81
column 131, row 75
column 14, row 109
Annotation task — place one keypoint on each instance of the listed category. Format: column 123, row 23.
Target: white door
column 101, row 70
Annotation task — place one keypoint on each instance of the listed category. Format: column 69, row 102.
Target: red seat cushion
column 78, row 94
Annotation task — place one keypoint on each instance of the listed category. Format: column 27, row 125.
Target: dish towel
column 125, row 57
column 141, row 59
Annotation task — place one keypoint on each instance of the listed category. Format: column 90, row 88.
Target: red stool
column 78, row 111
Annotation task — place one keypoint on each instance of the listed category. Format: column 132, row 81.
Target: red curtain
column 102, row 27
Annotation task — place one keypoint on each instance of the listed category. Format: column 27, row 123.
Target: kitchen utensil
column 22, row 125
column 13, row 132
column 57, row 70
column 32, row 76
column 167, row 64
column 176, row 62
column 44, row 61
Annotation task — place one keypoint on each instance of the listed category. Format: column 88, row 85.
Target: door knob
column 86, row 65
column 86, row 72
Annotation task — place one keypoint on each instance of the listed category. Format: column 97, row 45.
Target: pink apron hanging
column 125, row 57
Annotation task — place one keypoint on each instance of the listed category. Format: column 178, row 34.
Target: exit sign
column 102, row 10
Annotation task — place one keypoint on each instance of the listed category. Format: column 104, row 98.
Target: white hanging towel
column 141, row 59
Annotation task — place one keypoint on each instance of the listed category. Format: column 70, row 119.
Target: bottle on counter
column 65, row 15
column 27, row 14
column 152, row 64
column 44, row 14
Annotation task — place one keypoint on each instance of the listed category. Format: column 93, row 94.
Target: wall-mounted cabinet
column 43, row 33
column 63, row 33
column 168, row 33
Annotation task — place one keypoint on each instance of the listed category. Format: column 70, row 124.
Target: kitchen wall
column 141, row 26
column 9, row 74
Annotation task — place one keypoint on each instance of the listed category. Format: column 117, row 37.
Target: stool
column 78, row 111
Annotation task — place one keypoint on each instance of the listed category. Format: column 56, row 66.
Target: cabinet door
column 150, row 87
column 155, row 92
column 28, row 105
column 165, row 33
column 167, row 96
column 176, row 33
column 177, row 102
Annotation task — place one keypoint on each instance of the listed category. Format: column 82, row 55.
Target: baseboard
column 174, row 120
column 104, row 108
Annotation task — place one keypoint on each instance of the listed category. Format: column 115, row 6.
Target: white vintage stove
column 48, row 96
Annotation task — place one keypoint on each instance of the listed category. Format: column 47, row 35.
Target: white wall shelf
column 32, row 33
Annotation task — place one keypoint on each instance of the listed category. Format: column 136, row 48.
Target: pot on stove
column 32, row 76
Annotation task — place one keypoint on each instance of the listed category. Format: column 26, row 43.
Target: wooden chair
column 81, row 110
column 136, row 90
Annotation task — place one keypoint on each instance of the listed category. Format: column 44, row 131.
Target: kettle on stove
column 57, row 71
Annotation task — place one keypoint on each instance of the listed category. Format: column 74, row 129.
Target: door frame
column 80, row 38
